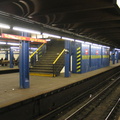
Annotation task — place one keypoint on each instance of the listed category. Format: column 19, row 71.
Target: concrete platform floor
column 11, row 93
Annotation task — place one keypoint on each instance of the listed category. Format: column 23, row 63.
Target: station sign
column 16, row 37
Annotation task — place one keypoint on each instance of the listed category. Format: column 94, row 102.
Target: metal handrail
column 54, row 74
column 58, row 56
column 36, row 50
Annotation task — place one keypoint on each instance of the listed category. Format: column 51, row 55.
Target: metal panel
column 85, row 66
column 106, row 57
column 67, row 58
column 95, row 57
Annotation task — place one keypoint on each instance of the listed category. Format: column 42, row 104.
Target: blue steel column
column 113, row 56
column 6, row 55
column 117, row 56
column 74, row 57
column 67, row 58
column 24, row 64
column 11, row 58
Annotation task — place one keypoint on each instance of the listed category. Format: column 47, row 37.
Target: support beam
column 113, row 56
column 24, row 63
column 67, row 58
column 11, row 58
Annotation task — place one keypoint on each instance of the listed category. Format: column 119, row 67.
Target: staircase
column 44, row 67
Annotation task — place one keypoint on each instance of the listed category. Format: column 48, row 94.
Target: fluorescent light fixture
column 13, row 44
column 26, row 30
column 48, row 39
column 117, row 49
column 65, row 38
column 88, row 43
column 4, row 26
column 95, row 45
column 33, row 48
column 50, row 35
column 100, row 45
column 79, row 41
column 3, row 43
column 118, row 3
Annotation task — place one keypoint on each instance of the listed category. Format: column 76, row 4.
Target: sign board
column 16, row 37
column 86, row 51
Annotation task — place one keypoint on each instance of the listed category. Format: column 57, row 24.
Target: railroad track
column 85, row 109
column 89, row 106
column 112, row 115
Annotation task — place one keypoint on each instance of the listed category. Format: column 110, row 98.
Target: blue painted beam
column 24, row 64
column 113, row 56
column 67, row 58
column 11, row 58
column 117, row 56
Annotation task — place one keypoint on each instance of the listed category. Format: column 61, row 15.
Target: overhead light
column 33, row 48
column 88, row 43
column 118, row 3
column 13, row 44
column 48, row 39
column 95, row 44
column 3, row 43
column 79, row 41
column 65, row 38
column 50, row 35
column 26, row 30
column 4, row 26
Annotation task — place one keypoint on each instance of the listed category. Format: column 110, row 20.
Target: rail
column 58, row 65
column 36, row 50
column 113, row 110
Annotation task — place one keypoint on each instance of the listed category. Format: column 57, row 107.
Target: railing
column 36, row 50
column 40, row 50
column 57, row 64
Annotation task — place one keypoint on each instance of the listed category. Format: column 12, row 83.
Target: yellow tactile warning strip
column 42, row 74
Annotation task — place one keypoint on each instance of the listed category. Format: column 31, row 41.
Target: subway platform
column 10, row 92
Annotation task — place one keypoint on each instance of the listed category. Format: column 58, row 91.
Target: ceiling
column 95, row 19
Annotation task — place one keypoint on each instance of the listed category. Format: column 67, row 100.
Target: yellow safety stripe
column 78, row 63
column 94, row 56
column 78, row 56
column 78, row 67
column 105, row 56
column 78, row 48
column 78, row 52
column 78, row 70
column 85, row 57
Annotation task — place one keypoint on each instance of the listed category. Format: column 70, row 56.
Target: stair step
column 41, row 74
column 43, row 71
column 44, row 65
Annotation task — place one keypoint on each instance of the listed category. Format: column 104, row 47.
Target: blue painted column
column 11, row 58
column 74, row 57
column 24, row 63
column 117, row 56
column 113, row 56
column 6, row 55
column 67, row 58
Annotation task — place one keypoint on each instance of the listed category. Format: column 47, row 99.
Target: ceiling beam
column 70, row 6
